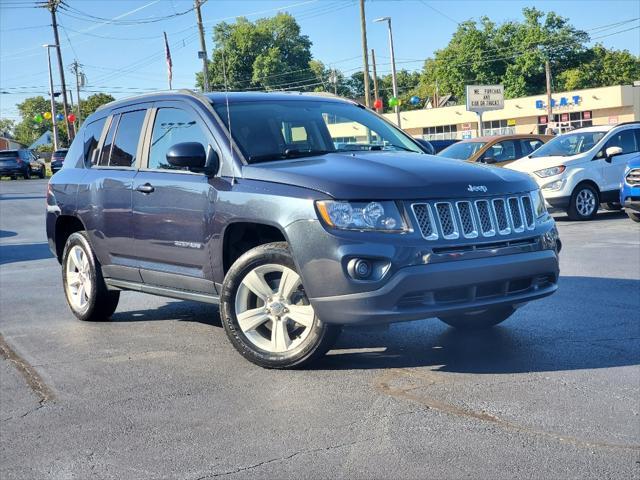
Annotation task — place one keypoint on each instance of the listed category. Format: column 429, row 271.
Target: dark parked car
column 440, row 145
column 57, row 159
column 244, row 200
column 21, row 162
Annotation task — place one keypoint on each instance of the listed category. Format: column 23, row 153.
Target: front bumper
column 10, row 171
column 425, row 291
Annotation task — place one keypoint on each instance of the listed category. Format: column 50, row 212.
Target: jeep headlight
column 537, row 201
column 550, row 172
column 370, row 216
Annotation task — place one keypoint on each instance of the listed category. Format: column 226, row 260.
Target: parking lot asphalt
column 158, row 392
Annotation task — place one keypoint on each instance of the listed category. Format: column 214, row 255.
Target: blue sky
column 125, row 59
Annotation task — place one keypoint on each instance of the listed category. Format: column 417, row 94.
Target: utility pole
column 547, row 71
column 375, row 77
column 54, row 127
column 52, row 6
column 203, row 48
column 365, row 55
column 75, row 68
column 394, row 79
column 333, row 78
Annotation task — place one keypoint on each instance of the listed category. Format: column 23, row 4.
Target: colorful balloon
column 414, row 100
column 71, row 117
column 377, row 104
column 47, row 115
column 38, row 118
column 59, row 117
column 394, row 101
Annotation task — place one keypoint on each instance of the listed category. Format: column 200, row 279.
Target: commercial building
column 574, row 109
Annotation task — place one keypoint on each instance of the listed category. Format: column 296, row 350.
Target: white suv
column 583, row 168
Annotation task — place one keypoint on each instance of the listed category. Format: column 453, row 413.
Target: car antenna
column 226, row 98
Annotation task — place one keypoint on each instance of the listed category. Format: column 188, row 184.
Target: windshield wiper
column 288, row 153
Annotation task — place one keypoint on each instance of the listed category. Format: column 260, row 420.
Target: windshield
column 569, row 144
column 274, row 130
column 462, row 150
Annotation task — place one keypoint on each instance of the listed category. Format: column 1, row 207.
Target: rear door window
column 528, row 145
column 125, row 146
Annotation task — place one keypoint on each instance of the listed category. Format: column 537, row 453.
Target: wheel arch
column 241, row 236
column 65, row 226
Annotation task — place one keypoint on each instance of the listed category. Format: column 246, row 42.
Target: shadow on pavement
column 589, row 323
column 602, row 215
column 24, row 252
column 182, row 310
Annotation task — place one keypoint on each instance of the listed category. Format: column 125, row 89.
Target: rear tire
column 83, row 283
column 478, row 321
column 584, row 203
column 266, row 313
column 634, row 216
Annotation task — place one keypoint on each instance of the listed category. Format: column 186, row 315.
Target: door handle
column 146, row 188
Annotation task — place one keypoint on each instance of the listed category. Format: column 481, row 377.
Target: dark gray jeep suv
column 297, row 214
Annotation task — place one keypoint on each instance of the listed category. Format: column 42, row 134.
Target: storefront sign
column 466, row 134
column 466, row 126
column 613, row 120
column 482, row 98
column 586, row 115
column 511, row 122
column 564, row 117
column 543, row 120
column 564, row 102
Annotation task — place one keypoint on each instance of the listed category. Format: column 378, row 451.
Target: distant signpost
column 483, row 98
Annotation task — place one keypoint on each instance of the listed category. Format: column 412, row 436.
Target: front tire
column 479, row 320
column 42, row 173
column 634, row 216
column 27, row 174
column 84, row 286
column 584, row 203
column 266, row 313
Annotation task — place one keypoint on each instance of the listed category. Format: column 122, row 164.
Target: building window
column 565, row 122
column 441, row 132
column 497, row 127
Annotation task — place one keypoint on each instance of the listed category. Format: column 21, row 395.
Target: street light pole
column 394, row 78
column 53, row 101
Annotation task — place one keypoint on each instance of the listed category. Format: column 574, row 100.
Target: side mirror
column 187, row 154
column 612, row 152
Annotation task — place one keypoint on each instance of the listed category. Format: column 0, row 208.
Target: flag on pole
column 169, row 62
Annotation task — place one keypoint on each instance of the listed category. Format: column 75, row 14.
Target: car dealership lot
column 160, row 393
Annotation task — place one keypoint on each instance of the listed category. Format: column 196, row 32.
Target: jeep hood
column 390, row 175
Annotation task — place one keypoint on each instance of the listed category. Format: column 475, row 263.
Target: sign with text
column 482, row 98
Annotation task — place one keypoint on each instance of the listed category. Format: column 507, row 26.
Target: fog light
column 359, row 268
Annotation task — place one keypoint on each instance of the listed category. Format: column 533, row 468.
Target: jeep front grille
column 487, row 218
column 633, row 177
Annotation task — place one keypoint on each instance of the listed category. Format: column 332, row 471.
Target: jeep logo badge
column 477, row 188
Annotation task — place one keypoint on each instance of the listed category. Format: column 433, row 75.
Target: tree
column 28, row 130
column 6, row 127
column 600, row 67
column 270, row 53
column 92, row 102
column 514, row 54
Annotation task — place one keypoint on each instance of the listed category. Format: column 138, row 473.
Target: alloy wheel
column 78, row 279
column 272, row 308
column 585, row 202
